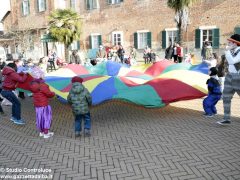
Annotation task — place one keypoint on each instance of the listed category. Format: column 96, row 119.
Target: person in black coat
column 169, row 52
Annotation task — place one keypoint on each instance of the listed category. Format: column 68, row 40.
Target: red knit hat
column 77, row 79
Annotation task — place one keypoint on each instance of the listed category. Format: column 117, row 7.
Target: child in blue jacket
column 214, row 93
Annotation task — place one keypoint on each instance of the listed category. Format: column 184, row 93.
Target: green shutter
column 99, row 40
column 45, row 4
column 22, row 9
column 216, row 35
column 37, row 6
column 237, row 30
column 28, row 7
column 149, row 39
column 78, row 45
column 88, row 4
column 90, row 42
column 135, row 35
column 197, row 38
column 164, row 38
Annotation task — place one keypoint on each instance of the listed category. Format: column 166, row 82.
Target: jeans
column 78, row 122
column 16, row 105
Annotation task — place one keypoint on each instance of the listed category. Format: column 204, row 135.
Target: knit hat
column 77, row 79
column 235, row 39
column 37, row 73
column 213, row 71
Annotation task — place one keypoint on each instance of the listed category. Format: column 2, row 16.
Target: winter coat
column 11, row 78
column 79, row 98
column 41, row 93
column 214, row 86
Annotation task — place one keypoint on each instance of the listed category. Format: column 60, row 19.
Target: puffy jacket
column 41, row 93
column 11, row 78
column 79, row 98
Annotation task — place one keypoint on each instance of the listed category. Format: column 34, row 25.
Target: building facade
column 127, row 22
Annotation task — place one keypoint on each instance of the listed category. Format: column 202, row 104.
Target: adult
column 51, row 59
column 232, row 79
column 75, row 58
column 101, row 52
column 169, row 52
column 179, row 53
column 120, row 53
column 10, row 80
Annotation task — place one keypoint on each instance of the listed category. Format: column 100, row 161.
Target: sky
column 4, row 7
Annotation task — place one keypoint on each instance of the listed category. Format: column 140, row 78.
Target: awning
column 47, row 38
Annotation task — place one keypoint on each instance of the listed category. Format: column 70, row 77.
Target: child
column 11, row 79
column 41, row 94
column 80, row 100
column 214, row 93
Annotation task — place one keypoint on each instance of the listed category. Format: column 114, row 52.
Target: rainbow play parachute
column 152, row 85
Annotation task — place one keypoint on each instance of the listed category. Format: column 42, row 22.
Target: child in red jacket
column 41, row 95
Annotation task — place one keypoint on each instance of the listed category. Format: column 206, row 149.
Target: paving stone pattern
column 128, row 142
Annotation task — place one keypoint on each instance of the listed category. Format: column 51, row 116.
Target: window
column 31, row 42
column 95, row 41
column 142, row 39
column 75, row 45
column 73, row 4
column 41, row 5
column 25, row 8
column 210, row 33
column 169, row 36
column 91, row 4
column 117, row 38
column 60, row 4
column 114, row 1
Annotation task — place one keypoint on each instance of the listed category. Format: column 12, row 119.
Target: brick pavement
column 127, row 142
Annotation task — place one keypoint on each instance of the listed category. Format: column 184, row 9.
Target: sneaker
column 48, row 135
column 19, row 122
column 224, row 122
column 87, row 132
column 41, row 134
column 13, row 119
column 208, row 115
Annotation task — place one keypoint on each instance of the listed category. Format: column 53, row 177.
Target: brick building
column 127, row 22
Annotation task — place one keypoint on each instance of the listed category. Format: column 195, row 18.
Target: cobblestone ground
column 127, row 142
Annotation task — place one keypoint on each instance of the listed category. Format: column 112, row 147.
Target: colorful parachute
column 151, row 85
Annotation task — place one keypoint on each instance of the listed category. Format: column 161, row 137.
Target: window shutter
column 149, row 39
column 216, row 38
column 45, row 5
column 28, row 7
column 99, row 40
column 37, row 5
column 87, row 4
column 78, row 45
column 22, row 9
column 164, row 38
column 90, row 42
column 135, row 40
column 197, row 38
column 237, row 30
